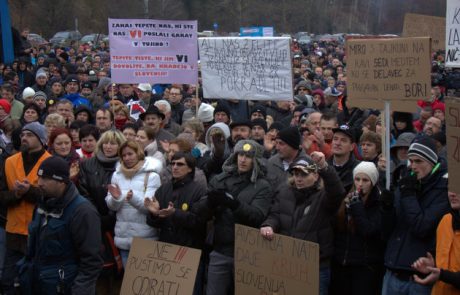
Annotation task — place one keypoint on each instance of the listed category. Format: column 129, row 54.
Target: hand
column 213, row 197
column 74, row 169
column 218, row 141
column 408, row 185
column 422, row 264
column 430, row 279
column 129, row 195
column 220, row 198
column 21, row 187
column 114, row 190
column 355, row 197
column 152, row 205
column 319, row 138
column 382, row 163
column 269, row 142
column 266, row 232
column 319, row 159
column 168, row 211
column 387, row 199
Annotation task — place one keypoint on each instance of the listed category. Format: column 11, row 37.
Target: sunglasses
column 178, row 164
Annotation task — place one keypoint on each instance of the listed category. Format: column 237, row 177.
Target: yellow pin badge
column 184, row 207
column 247, row 147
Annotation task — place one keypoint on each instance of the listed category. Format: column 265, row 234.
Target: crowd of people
column 87, row 165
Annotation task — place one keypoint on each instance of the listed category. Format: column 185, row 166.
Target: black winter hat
column 55, row 168
column 222, row 108
column 290, row 136
column 259, row 122
column 260, row 109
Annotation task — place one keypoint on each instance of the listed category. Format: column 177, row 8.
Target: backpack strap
column 146, row 179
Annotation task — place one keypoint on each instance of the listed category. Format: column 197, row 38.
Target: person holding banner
column 304, row 207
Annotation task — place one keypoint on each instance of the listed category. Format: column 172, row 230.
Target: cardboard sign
column 453, row 34
column 419, row 25
column 453, row 142
column 153, row 51
column 396, row 69
column 282, row 266
column 248, row 68
column 160, row 268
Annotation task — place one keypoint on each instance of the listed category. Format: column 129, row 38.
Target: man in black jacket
column 63, row 255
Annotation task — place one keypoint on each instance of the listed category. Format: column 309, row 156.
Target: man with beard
column 19, row 193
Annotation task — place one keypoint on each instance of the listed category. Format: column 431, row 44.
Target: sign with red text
column 396, row 69
column 160, row 268
column 247, row 68
column 419, row 25
column 283, row 266
column 453, row 142
column 153, row 51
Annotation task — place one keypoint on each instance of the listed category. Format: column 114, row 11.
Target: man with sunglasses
column 20, row 193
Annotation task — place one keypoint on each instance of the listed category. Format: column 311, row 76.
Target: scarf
column 130, row 172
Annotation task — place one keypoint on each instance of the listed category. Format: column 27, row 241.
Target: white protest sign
column 247, row 68
column 453, row 33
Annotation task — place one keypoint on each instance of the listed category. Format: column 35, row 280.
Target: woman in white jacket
column 136, row 178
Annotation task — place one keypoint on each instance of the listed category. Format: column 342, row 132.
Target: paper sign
column 453, row 142
column 153, row 51
column 453, row 34
column 160, row 268
column 246, row 68
column 396, row 69
column 419, row 25
column 283, row 266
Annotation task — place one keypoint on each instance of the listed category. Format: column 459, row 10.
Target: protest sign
column 246, row 68
column 160, row 268
column 283, row 266
column 153, row 51
column 396, row 69
column 419, row 25
column 453, row 34
column 453, row 142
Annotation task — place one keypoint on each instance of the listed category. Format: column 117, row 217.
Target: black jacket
column 95, row 174
column 345, row 172
column 185, row 227
column 411, row 224
column 308, row 214
column 361, row 244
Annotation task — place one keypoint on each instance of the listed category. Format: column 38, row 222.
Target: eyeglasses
column 178, row 164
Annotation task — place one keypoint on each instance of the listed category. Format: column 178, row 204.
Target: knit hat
column 40, row 94
column 38, row 129
column 276, row 125
column 425, row 148
column 5, row 104
column 252, row 149
column 55, row 168
column 40, row 73
column 259, row 122
column 222, row 108
column 205, row 113
column 369, row 169
column 259, row 109
column 88, row 85
column 290, row 136
column 27, row 92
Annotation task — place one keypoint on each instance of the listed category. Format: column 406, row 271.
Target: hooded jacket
column 131, row 215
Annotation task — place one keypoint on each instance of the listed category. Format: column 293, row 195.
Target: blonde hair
column 110, row 136
column 135, row 146
column 56, row 120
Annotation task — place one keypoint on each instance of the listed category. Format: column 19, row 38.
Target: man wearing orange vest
column 21, row 196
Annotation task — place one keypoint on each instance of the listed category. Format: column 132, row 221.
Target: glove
column 387, row 199
column 220, row 198
column 408, row 185
column 356, row 197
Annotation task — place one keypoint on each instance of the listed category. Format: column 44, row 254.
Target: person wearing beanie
column 72, row 86
column 69, row 241
column 411, row 215
column 28, row 95
column 258, row 111
column 40, row 98
column 41, row 82
column 239, row 195
column 222, row 114
column 5, row 106
column 304, row 207
column 357, row 231
column 258, row 130
column 20, row 195
column 287, row 152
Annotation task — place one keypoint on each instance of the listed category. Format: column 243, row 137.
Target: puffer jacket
column 276, row 173
column 131, row 215
column 307, row 214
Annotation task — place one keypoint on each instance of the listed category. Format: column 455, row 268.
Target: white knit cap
column 28, row 92
column 369, row 169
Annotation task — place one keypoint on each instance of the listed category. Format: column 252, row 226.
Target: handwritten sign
column 246, row 68
column 453, row 33
column 283, row 266
column 153, row 51
column 453, row 142
column 160, row 268
column 396, row 69
column 419, row 25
